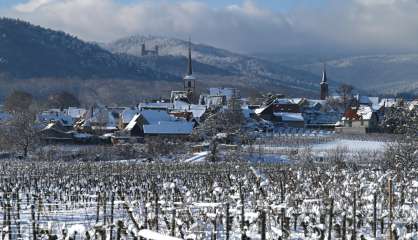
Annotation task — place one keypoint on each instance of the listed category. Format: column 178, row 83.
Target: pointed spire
column 190, row 67
column 324, row 74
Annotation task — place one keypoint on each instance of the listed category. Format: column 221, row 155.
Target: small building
column 56, row 115
column 126, row 116
column 281, row 111
column 55, row 132
column 359, row 120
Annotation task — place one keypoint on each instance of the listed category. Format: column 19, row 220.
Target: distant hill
column 45, row 60
column 382, row 74
column 28, row 51
column 385, row 74
column 214, row 65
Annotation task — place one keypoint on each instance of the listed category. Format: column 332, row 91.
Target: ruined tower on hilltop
column 145, row 52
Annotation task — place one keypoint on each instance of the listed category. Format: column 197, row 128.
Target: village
column 186, row 117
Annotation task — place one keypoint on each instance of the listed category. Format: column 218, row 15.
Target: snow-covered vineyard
column 86, row 200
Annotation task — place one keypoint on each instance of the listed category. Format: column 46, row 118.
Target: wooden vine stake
column 390, row 190
column 331, row 216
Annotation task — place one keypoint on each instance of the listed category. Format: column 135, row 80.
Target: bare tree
column 346, row 92
column 20, row 133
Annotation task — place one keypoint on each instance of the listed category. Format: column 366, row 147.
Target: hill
column 218, row 65
column 28, row 51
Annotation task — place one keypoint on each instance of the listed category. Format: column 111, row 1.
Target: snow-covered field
column 202, row 201
column 351, row 145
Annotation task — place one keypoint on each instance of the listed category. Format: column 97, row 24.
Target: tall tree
column 63, row 100
column 20, row 133
column 18, row 101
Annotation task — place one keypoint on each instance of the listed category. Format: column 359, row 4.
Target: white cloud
column 32, row 5
column 345, row 24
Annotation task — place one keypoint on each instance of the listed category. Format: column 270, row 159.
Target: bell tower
column 189, row 80
column 324, row 85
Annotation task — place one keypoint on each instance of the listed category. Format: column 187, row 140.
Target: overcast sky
column 239, row 25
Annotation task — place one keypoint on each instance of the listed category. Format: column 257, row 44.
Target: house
column 76, row 113
column 359, row 120
column 281, row 111
column 319, row 114
column 218, row 97
column 151, row 123
column 188, row 111
column 99, row 119
column 55, row 132
column 56, row 115
column 126, row 116
column 135, row 127
column 160, row 105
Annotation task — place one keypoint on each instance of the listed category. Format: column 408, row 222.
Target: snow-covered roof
column 189, row 77
column 148, row 234
column 133, row 122
column 155, row 105
column 178, row 104
column 365, row 111
column 75, row 112
column 289, row 117
column 101, row 115
column 198, row 111
column 155, row 116
column 297, row 100
column 55, row 115
column 169, row 128
column 283, row 101
column 228, row 92
column 261, row 109
column 413, row 105
column 388, row 102
column 128, row 114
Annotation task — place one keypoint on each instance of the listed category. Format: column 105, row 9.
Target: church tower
column 189, row 79
column 324, row 85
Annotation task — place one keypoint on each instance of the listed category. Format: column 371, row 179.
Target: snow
column 132, row 123
column 289, row 117
column 227, row 92
column 351, row 145
column 128, row 114
column 156, row 116
column 198, row 157
column 151, row 235
column 75, row 112
column 169, row 128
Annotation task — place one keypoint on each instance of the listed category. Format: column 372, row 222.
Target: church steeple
column 324, row 84
column 189, row 65
column 324, row 74
column 189, row 80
